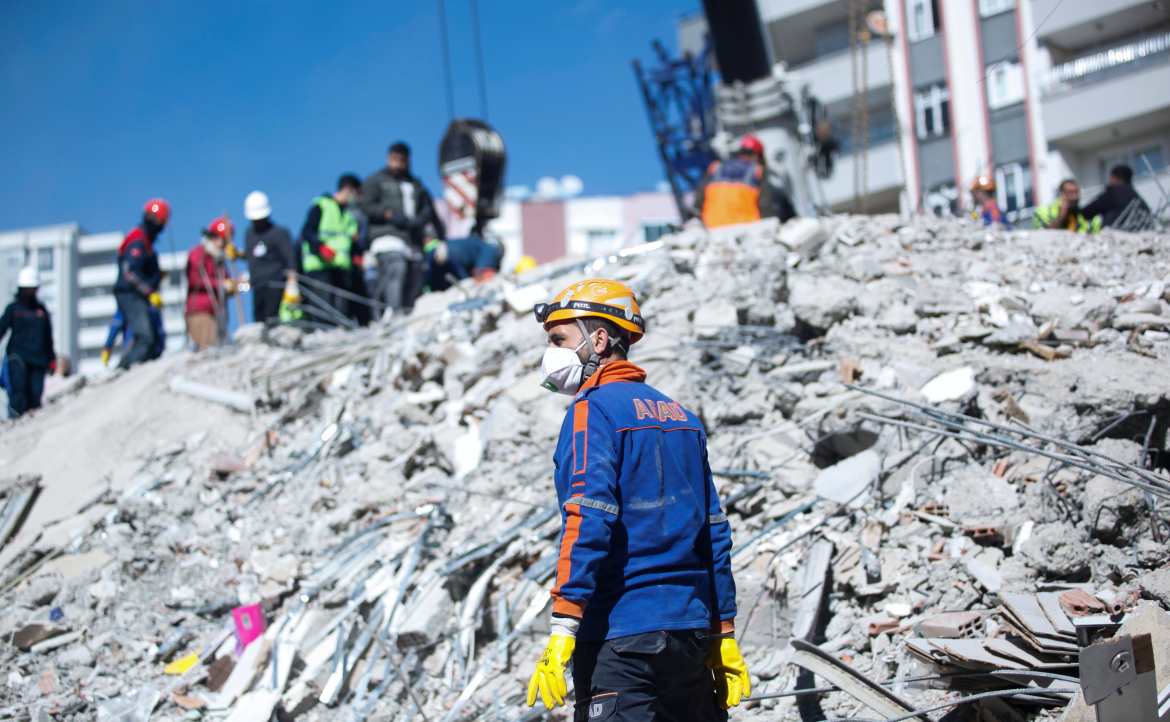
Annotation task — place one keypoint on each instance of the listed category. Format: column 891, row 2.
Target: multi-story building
column 1028, row 91
column 1102, row 79
column 1031, row 91
column 813, row 40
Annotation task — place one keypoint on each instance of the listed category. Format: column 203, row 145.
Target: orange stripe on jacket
column 580, row 437
column 565, row 561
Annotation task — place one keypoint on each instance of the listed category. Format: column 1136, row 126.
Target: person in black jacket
column 271, row 259
column 399, row 209
column 30, row 349
column 139, row 282
column 1118, row 198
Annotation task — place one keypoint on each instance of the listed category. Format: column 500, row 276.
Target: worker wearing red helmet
column 139, row 280
column 644, row 599
column 209, row 284
column 736, row 190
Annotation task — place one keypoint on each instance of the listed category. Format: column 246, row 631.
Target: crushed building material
column 941, row 449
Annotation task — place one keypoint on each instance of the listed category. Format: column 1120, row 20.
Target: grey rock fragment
column 1110, row 507
column 1057, row 551
column 820, row 303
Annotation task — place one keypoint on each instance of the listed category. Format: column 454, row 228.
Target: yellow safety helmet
column 525, row 264
column 598, row 298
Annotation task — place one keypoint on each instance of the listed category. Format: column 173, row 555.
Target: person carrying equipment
column 139, row 279
column 209, row 284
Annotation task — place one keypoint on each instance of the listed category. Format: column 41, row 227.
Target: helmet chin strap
column 594, row 360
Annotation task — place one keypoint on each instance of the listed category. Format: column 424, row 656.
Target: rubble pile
column 941, row 447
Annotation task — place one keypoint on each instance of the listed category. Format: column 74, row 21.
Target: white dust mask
column 563, row 370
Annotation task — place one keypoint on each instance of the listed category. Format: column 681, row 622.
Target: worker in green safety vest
column 327, row 241
column 1064, row 213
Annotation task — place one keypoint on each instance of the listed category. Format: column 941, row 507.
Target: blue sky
column 109, row 103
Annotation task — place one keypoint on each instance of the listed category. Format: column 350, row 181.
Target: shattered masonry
column 385, row 496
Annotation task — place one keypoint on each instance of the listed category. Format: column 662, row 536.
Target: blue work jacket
column 645, row 545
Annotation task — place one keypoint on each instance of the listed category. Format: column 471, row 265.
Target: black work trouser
column 651, row 677
column 266, row 298
column 26, row 384
column 359, row 311
column 135, row 309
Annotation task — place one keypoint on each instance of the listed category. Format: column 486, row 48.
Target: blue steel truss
column 680, row 102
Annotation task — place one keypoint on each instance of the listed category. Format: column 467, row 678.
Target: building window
column 45, row 259
column 829, row 39
column 1155, row 157
column 1005, row 85
column 600, row 240
column 1013, row 184
column 932, row 111
column 987, row 8
column 1135, row 158
column 653, row 231
column 924, row 17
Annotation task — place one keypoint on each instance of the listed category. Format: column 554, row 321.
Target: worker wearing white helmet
column 30, row 348
column 271, row 258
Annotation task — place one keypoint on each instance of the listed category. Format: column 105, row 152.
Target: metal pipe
column 978, row 437
column 1014, row 692
column 1025, row 431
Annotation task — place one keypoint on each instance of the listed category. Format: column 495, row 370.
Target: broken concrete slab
column 954, row 385
column 847, row 481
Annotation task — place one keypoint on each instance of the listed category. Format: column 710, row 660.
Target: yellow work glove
column 155, row 300
column 231, row 251
column 732, row 682
column 105, row 357
column 549, row 677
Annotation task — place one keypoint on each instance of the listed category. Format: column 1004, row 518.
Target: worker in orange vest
column 736, row 190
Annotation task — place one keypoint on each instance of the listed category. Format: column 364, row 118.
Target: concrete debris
column 950, row 386
column 847, row 481
column 380, row 498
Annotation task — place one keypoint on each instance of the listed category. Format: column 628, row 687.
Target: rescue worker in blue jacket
column 30, row 348
column 644, row 600
column 451, row 261
column 139, row 279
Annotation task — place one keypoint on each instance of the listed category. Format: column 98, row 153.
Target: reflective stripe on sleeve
column 594, row 504
column 717, row 519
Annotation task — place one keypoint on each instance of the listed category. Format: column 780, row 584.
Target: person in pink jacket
column 209, row 284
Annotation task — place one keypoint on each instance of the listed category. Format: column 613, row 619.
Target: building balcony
column 1107, row 95
column 830, row 77
column 1070, row 25
column 882, row 186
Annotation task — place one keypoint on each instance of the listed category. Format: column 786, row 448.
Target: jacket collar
column 614, row 372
